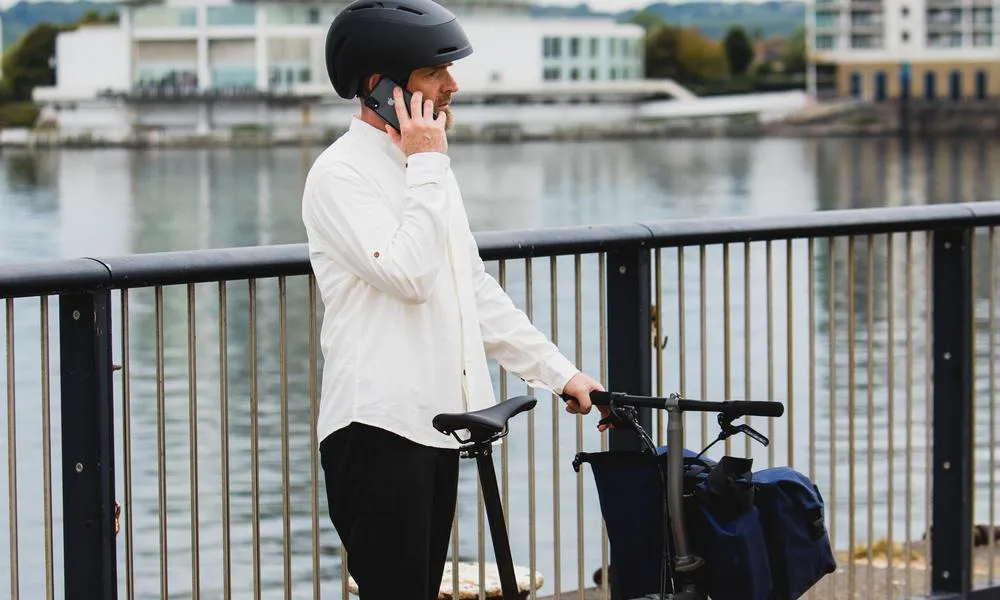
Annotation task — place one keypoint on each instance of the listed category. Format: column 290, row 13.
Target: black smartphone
column 382, row 102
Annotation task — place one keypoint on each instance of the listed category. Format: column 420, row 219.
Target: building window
column 594, row 46
column 551, row 47
column 574, row 46
column 233, row 15
column 550, row 73
column 981, row 92
column 612, row 46
column 824, row 42
column 574, row 74
column 905, row 11
column 982, row 39
column 165, row 16
column 827, row 19
column 906, row 36
column 593, row 73
column 930, row 82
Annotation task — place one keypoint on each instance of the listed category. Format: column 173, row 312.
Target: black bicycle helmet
column 390, row 37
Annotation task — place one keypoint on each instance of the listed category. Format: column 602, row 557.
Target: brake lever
column 750, row 431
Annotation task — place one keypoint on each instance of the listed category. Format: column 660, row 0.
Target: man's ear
column 371, row 82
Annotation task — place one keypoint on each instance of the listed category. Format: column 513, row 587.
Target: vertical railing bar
column 832, row 343
column 602, row 312
column 770, row 346
column 47, row 450
column 193, row 436
column 504, row 447
column 909, row 405
column 12, row 452
column 870, row 364
column 254, row 442
column 532, row 538
column 928, row 396
column 313, row 436
column 747, row 337
column 726, row 354
column 578, row 311
column 851, row 571
column 658, row 340
column 161, row 441
column 224, row 435
column 285, row 455
column 681, row 329
column 789, row 351
column 810, row 258
column 891, row 375
column 556, row 517
column 993, row 399
column 703, row 304
column 972, row 368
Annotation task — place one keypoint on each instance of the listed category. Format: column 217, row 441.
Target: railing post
column 88, row 476
column 629, row 334
column 952, row 518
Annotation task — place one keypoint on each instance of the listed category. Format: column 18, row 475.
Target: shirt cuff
column 427, row 167
column 557, row 370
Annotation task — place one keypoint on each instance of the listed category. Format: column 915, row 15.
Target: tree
column 682, row 54
column 28, row 63
column 739, row 50
column 795, row 53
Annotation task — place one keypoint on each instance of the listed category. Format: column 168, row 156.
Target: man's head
column 413, row 42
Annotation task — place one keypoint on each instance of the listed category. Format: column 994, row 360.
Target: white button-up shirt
column 410, row 312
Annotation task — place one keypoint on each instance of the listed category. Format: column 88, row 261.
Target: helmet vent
column 447, row 50
column 408, row 9
column 367, row 6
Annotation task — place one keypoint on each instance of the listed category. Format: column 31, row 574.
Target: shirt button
column 375, row 254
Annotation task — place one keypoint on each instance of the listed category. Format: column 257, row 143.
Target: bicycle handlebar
column 731, row 408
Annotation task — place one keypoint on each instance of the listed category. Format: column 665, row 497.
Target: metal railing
column 186, row 387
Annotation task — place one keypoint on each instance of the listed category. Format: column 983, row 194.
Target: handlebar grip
column 596, row 398
column 755, row 408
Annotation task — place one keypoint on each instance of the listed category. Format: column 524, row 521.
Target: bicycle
column 681, row 566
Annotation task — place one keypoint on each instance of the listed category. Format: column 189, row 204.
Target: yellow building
column 919, row 49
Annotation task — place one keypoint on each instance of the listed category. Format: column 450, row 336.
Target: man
column 410, row 312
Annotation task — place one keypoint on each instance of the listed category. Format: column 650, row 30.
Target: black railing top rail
column 36, row 278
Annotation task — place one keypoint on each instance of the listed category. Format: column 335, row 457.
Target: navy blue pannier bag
column 724, row 528
column 762, row 535
column 791, row 511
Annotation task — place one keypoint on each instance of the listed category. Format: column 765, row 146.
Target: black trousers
column 392, row 502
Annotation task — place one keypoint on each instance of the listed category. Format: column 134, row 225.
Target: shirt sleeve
column 346, row 217
column 511, row 339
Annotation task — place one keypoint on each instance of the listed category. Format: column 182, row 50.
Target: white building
column 167, row 64
column 921, row 49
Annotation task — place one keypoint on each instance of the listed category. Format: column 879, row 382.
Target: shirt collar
column 379, row 137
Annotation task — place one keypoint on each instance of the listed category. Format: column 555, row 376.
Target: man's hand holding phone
column 419, row 130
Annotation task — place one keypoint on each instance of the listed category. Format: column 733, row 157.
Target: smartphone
column 382, row 102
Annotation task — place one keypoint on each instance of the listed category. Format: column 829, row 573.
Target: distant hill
column 779, row 17
column 711, row 18
column 21, row 17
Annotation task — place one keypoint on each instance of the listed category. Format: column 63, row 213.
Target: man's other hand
column 578, row 390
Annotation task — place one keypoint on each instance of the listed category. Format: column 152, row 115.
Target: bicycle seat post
column 483, row 453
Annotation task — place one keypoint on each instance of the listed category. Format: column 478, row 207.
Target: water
column 111, row 202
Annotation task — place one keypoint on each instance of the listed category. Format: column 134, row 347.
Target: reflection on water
column 73, row 203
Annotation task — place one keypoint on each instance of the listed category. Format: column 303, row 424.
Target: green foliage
column 739, row 50
column 682, row 54
column 30, row 62
column 20, row 18
column 795, row 56
column 18, row 114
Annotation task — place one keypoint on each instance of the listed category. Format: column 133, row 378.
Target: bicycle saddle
column 484, row 423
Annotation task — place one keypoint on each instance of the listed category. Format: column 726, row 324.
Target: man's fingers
column 400, row 105
column 415, row 102
column 429, row 110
